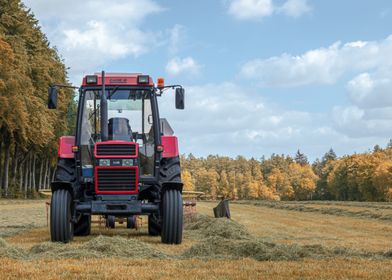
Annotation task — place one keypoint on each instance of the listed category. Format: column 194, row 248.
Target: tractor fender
column 58, row 185
column 171, row 186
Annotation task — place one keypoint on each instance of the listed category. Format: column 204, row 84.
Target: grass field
column 285, row 240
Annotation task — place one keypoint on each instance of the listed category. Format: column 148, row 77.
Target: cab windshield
column 129, row 119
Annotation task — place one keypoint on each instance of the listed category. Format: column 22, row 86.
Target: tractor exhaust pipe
column 104, row 112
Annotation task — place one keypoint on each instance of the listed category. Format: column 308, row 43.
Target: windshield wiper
column 113, row 91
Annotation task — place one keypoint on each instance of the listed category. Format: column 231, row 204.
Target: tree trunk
column 46, row 174
column 41, row 174
column 30, row 173
column 26, row 179
column 54, row 171
column 49, row 173
column 21, row 177
column 6, row 166
column 34, row 184
column 14, row 163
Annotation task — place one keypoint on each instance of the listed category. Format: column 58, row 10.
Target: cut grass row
column 312, row 207
column 214, row 239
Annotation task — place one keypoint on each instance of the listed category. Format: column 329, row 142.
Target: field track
column 364, row 246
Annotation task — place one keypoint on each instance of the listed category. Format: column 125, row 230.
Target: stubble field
column 264, row 240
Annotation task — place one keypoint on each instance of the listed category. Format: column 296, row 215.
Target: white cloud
column 360, row 123
column 371, row 109
column 249, row 9
column 187, row 66
column 257, row 9
column 320, row 66
column 295, row 8
column 92, row 33
column 371, row 90
column 177, row 34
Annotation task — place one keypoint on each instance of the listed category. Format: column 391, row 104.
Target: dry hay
column 215, row 239
column 206, row 226
column 235, row 242
column 362, row 204
column 301, row 207
column 7, row 250
column 99, row 247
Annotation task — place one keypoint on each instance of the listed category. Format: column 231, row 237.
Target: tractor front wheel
column 172, row 217
column 61, row 225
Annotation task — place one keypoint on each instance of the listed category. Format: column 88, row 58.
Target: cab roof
column 118, row 79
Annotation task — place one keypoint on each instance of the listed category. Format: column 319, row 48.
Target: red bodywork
column 170, row 146
column 118, row 79
column 65, row 147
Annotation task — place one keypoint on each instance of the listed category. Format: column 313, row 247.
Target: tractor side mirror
column 180, row 96
column 52, row 97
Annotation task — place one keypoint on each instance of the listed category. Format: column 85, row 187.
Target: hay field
column 261, row 242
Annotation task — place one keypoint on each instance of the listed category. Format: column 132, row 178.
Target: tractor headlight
column 143, row 79
column 104, row 162
column 91, row 79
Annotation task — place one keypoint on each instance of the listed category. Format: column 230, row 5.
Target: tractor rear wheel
column 170, row 170
column 83, row 226
column 154, row 225
column 65, row 171
column 172, row 217
column 61, row 225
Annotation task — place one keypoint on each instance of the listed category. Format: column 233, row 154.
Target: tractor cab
column 120, row 163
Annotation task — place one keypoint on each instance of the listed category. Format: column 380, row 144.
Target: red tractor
column 123, row 160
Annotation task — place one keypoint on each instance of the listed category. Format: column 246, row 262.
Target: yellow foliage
column 187, row 181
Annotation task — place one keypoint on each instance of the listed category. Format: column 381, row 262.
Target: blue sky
column 261, row 76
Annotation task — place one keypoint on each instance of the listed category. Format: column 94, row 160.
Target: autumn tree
column 301, row 158
column 29, row 131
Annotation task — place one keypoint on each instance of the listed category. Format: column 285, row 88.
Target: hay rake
column 189, row 204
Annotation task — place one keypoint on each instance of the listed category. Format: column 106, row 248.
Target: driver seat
column 119, row 129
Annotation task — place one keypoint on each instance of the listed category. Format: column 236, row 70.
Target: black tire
column 83, row 226
column 61, row 225
column 172, row 217
column 110, row 221
column 154, row 225
column 170, row 170
column 131, row 221
column 65, row 171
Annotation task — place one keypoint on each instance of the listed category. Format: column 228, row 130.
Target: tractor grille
column 119, row 179
column 116, row 149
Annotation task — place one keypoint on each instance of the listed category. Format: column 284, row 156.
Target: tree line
column 360, row 177
column 28, row 130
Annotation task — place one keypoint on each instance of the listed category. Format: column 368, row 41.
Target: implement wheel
column 131, row 221
column 61, row 226
column 172, row 217
column 110, row 221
